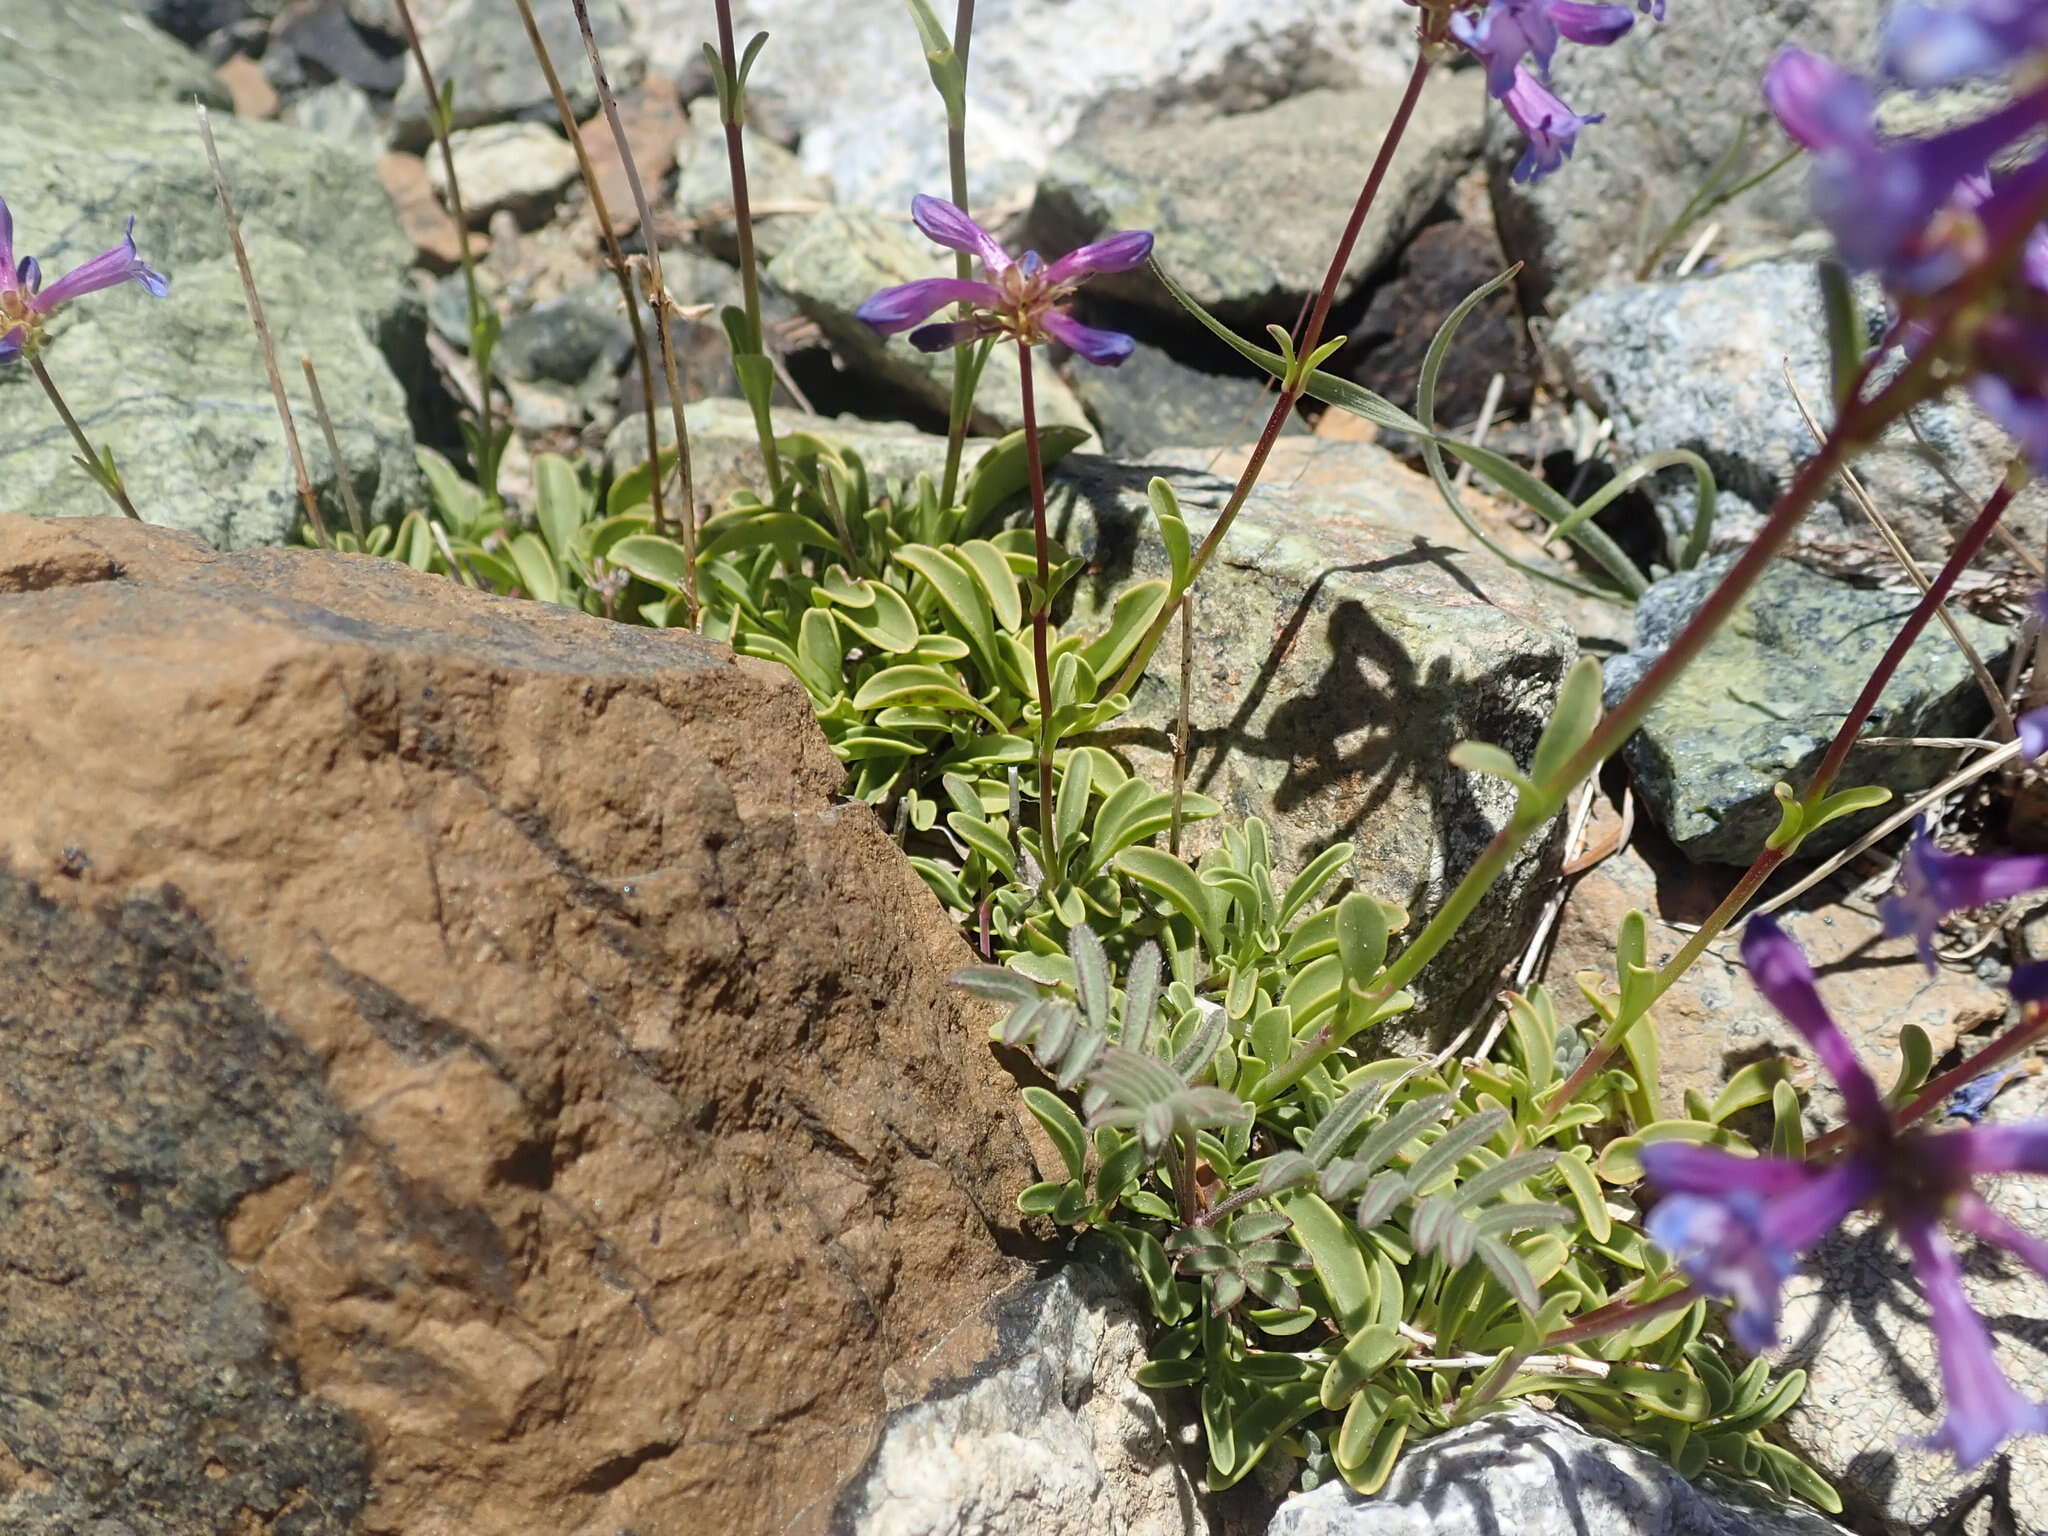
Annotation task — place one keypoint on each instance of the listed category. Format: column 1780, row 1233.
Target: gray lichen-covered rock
column 1344, row 642
column 1299, row 164
column 1677, row 99
column 1530, row 1473
column 1766, row 695
column 1857, row 1325
column 70, row 51
column 481, row 48
column 1700, row 364
column 843, row 255
column 176, row 388
column 779, row 189
column 851, row 79
column 1049, row 1433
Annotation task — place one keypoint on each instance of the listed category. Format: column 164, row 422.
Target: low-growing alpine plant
column 1343, row 1249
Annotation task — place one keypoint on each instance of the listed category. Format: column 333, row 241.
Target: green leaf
column 1062, row 1125
column 1004, row 469
column 1173, row 530
column 1572, row 723
column 1753, row 1084
column 1167, row 876
column 560, row 503
column 1788, row 1130
column 1848, row 340
column 652, row 558
column 1358, row 1362
column 887, row 622
column 1480, row 757
column 998, row 581
column 1334, row 1249
column 538, row 572
column 915, row 683
column 732, row 532
column 959, row 594
column 1136, row 607
column 1673, row 1394
column 1366, row 1456
column 985, row 840
column 1130, row 813
column 1619, row 1163
column 1317, row 873
column 1916, row 1060
column 1585, row 1192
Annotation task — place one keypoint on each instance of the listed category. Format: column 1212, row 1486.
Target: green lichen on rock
column 176, row 387
column 1766, row 695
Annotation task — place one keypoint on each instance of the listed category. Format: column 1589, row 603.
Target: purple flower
column 1738, row 1224
column 25, row 304
column 1933, row 884
column 1024, row 299
column 1551, row 127
column 1507, row 30
column 1929, row 45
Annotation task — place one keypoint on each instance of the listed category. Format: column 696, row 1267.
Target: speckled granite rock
column 1535, row 1474
column 1049, row 1433
column 1298, row 163
column 1345, row 640
column 842, row 256
column 176, row 387
column 1151, row 401
column 1700, row 364
column 481, row 48
column 1767, row 694
column 1857, row 1326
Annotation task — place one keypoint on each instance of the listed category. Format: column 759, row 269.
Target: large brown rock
column 461, row 1072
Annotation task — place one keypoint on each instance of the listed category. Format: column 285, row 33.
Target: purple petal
column 899, row 308
column 1105, row 347
column 2029, row 984
column 1502, row 35
column 7, row 277
column 1973, row 1099
column 1961, row 1155
column 947, row 334
column 1785, row 979
column 944, row 224
column 1741, row 1245
column 109, row 269
column 2024, row 416
column 1651, row 8
column 1684, row 1167
column 1984, row 1409
column 1926, row 45
column 1932, row 884
column 1551, row 126
column 11, row 345
column 2033, row 727
column 1114, row 253
column 1820, row 104
column 1594, row 26
column 29, row 275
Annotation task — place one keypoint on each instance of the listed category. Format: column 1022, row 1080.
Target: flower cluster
column 1024, row 300
column 1738, row 1224
column 25, row 304
column 1502, row 33
column 1949, row 222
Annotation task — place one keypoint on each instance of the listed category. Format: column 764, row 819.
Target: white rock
column 851, row 75
column 520, row 167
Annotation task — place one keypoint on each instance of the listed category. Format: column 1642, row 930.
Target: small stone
column 253, row 95
column 779, row 190
column 1298, row 163
column 1531, row 1473
column 518, row 167
column 561, row 340
column 1764, row 698
column 482, row 48
column 427, row 224
column 652, row 116
column 321, row 33
column 341, row 113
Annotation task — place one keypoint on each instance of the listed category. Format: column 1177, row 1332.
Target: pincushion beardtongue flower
column 1023, row 300
column 26, row 304
column 1738, row 1224
column 1501, row 33
column 1934, row 883
column 1946, row 222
